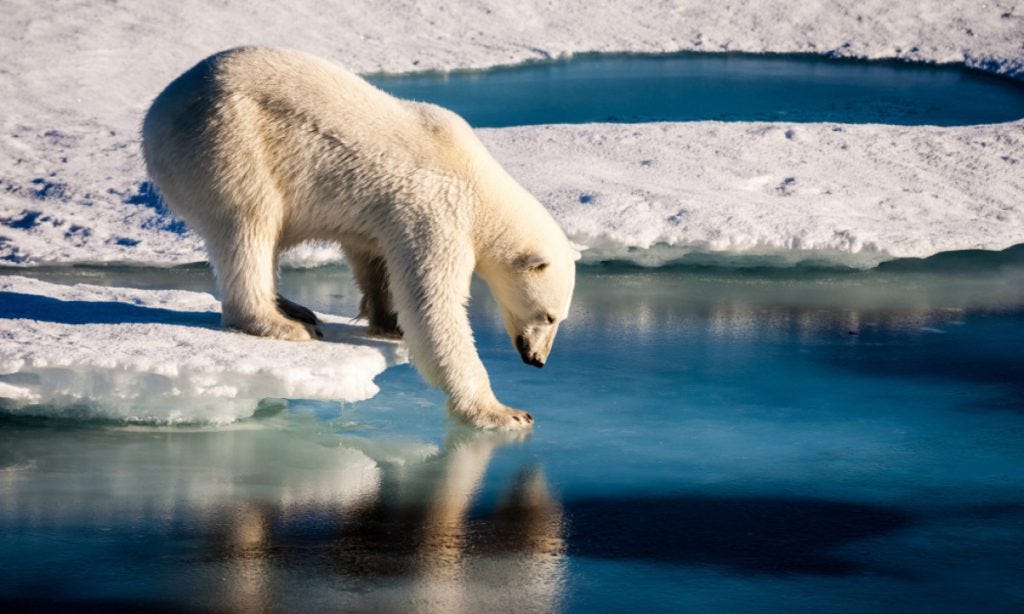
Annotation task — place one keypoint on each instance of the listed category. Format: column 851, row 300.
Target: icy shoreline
column 160, row 356
column 76, row 83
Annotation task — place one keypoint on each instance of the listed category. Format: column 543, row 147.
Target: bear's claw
column 297, row 312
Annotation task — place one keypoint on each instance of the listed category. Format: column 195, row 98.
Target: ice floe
column 780, row 193
column 76, row 83
column 160, row 356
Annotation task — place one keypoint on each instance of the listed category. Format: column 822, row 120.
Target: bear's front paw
column 499, row 417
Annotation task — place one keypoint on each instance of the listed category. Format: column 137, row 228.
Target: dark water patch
column 978, row 349
column 46, row 602
column 724, row 87
column 762, row 535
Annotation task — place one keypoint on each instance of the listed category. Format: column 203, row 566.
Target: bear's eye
column 550, row 318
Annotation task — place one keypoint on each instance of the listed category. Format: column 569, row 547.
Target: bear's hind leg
column 245, row 268
column 371, row 275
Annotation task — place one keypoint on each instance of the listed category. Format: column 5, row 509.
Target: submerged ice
column 161, row 356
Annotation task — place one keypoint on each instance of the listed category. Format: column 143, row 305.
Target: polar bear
column 260, row 149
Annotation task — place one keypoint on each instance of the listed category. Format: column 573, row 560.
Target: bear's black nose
column 524, row 352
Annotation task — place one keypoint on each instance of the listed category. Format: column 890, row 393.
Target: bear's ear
column 531, row 261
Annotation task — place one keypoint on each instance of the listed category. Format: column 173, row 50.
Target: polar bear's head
column 521, row 252
column 534, row 291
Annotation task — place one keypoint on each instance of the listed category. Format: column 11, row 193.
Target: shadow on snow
column 47, row 309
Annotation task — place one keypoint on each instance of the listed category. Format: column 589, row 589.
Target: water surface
column 706, row 439
column 726, row 87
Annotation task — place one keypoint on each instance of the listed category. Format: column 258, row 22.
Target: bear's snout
column 528, row 357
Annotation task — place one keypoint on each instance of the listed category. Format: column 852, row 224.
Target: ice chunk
column 161, row 356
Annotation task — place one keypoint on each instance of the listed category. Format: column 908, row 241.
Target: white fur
column 261, row 149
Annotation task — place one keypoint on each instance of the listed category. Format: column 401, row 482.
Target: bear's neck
column 502, row 233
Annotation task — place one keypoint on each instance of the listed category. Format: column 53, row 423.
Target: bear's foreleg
column 431, row 304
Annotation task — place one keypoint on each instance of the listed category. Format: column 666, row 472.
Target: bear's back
column 303, row 103
column 286, row 84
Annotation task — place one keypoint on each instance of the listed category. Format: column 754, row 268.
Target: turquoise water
column 726, row 87
column 706, row 439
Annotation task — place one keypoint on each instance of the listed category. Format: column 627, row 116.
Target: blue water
column 706, row 440
column 726, row 87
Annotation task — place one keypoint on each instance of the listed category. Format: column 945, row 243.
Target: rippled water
column 725, row 87
column 705, row 439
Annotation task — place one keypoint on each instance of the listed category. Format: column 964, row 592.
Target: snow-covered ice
column 650, row 193
column 161, row 356
column 848, row 194
column 76, row 81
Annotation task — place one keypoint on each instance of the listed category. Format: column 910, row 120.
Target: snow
column 840, row 194
column 160, row 356
column 75, row 82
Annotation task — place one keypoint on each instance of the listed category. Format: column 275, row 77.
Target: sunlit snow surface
column 706, row 440
column 854, row 195
column 161, row 356
column 76, row 84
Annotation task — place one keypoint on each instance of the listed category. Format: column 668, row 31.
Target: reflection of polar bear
column 261, row 149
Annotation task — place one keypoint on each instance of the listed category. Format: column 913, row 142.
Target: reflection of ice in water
column 282, row 516
column 737, row 304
